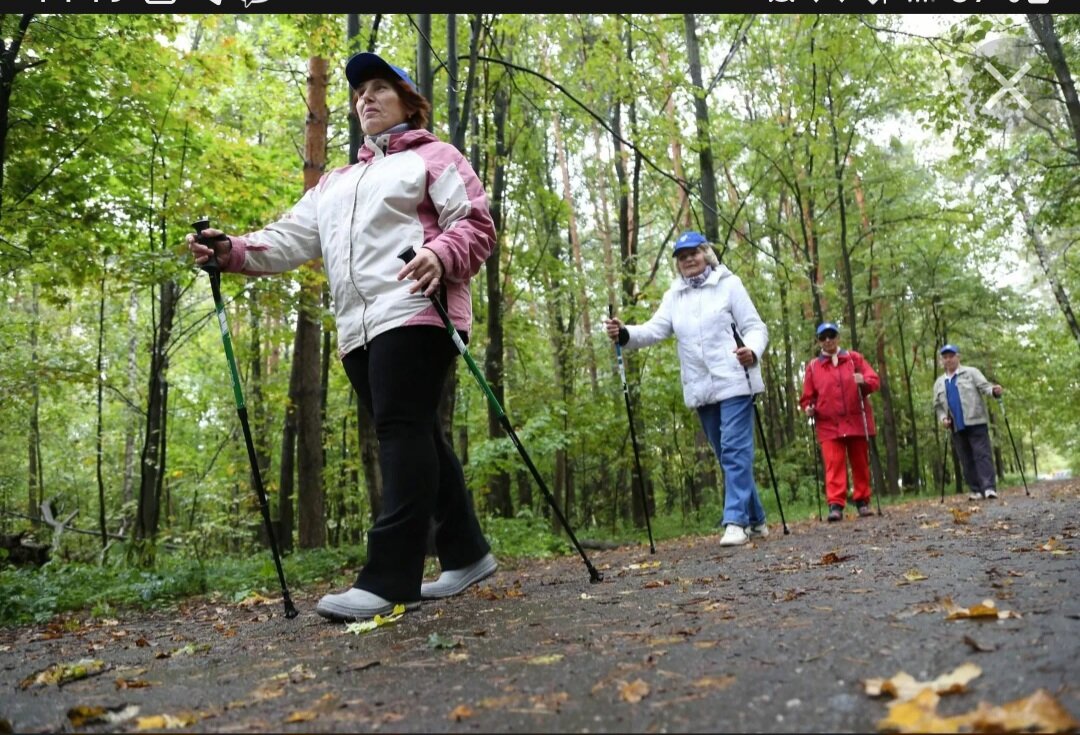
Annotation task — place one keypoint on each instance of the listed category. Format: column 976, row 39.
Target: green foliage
column 29, row 595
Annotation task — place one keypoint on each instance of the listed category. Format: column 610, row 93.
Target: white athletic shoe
column 761, row 530
column 734, row 536
column 990, row 494
column 355, row 604
column 454, row 581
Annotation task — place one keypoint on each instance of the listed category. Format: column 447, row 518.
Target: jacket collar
column 718, row 272
column 841, row 353
column 392, row 141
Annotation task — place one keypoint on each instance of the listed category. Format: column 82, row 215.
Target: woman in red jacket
column 835, row 383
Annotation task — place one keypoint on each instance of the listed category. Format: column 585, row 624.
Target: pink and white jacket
column 407, row 188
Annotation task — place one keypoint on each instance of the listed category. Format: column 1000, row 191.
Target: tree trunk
column 131, row 426
column 35, row 492
column 1043, row 25
column 100, row 429
column 498, row 499
column 701, row 115
column 146, row 521
column 311, row 494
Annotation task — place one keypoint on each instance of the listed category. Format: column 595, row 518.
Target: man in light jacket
column 959, row 405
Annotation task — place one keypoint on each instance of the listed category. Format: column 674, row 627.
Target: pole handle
column 738, row 339
column 211, row 266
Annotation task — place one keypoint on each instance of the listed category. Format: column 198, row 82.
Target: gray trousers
column 973, row 447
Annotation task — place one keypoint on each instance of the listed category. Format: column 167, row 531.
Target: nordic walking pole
column 594, row 576
column 948, row 455
column 1019, row 466
column 633, row 435
column 214, row 271
column 866, row 433
column 817, row 464
column 761, row 431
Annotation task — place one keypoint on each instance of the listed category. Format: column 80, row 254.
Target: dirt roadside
column 776, row 636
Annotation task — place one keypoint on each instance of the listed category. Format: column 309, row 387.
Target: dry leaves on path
column 1040, row 712
column 985, row 609
column 60, row 674
column 903, row 686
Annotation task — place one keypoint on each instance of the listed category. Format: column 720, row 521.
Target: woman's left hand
column 745, row 356
column 426, row 269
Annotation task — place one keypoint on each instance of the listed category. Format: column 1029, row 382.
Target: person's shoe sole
column 345, row 614
column 438, row 590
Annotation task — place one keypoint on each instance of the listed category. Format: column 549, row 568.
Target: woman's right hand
column 613, row 326
column 222, row 247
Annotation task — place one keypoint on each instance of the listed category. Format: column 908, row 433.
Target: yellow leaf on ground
column 914, row 575
column 715, row 682
column 376, row 622
column 63, row 673
column 985, row 609
column 545, row 660
column 166, row 722
column 1040, row 712
column 461, row 712
column 302, row 715
column 903, row 686
column 634, row 692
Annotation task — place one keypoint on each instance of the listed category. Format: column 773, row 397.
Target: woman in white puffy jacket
column 699, row 309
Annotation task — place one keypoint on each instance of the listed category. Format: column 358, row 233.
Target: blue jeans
column 729, row 426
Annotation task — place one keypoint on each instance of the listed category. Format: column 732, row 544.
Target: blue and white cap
column 948, row 348
column 689, row 239
column 364, row 65
column 827, row 327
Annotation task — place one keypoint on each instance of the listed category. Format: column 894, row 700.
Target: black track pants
column 399, row 376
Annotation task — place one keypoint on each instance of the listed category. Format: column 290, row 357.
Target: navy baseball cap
column 365, row 65
column 688, row 239
column 827, row 327
column 948, row 348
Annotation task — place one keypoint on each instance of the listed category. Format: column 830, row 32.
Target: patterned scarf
column 699, row 280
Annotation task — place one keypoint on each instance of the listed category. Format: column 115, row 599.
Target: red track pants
column 837, row 454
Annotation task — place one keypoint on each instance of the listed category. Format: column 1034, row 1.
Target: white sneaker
column 991, row 493
column 356, row 604
column 454, row 581
column 761, row 530
column 977, row 496
column 734, row 536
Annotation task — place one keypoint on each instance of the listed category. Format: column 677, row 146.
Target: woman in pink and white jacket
column 407, row 188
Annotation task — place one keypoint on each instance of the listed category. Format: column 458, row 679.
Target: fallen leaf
column 833, row 558
column 376, row 622
column 440, row 641
column 634, row 692
column 1038, row 713
column 302, row 715
column 166, row 722
column 715, row 682
column 914, row 575
column 960, row 517
column 903, row 686
column 60, row 674
column 545, row 660
column 985, row 609
column 80, row 715
column 461, row 712
column 132, row 683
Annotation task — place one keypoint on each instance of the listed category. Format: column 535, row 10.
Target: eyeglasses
column 827, row 335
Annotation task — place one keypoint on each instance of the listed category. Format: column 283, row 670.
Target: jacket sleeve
column 940, row 404
column 753, row 330
column 809, row 390
column 983, row 385
column 657, row 328
column 468, row 232
column 873, row 382
column 286, row 244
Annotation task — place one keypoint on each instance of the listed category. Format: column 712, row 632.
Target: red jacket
column 834, row 394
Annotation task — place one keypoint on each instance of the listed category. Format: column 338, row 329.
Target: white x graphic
column 1007, row 85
